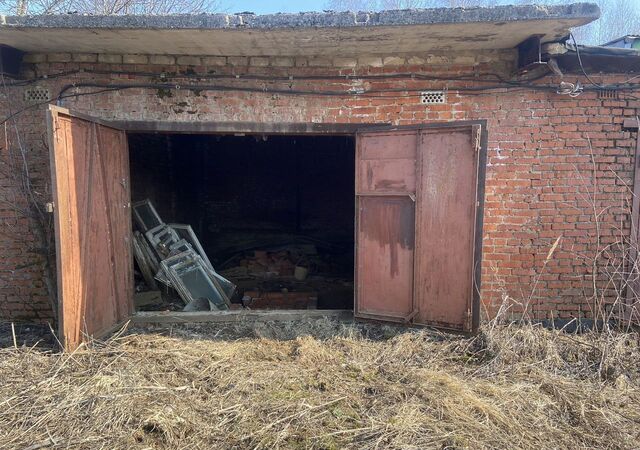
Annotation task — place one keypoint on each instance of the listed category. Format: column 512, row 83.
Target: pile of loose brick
column 266, row 264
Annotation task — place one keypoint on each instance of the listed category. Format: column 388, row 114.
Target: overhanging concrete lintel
column 327, row 33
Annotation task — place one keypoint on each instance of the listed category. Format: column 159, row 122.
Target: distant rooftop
column 629, row 41
column 325, row 33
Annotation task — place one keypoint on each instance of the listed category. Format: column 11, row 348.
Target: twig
column 299, row 413
column 352, row 430
column 50, row 442
column 13, row 332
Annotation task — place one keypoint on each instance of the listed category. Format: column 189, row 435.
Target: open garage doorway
column 261, row 205
column 273, row 213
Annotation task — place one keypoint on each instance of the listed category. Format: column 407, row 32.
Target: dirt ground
column 321, row 384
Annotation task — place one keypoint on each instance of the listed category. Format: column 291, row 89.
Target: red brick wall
column 555, row 163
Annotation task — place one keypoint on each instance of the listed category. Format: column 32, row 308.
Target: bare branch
column 108, row 7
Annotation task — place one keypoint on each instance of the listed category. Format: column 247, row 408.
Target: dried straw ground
column 326, row 386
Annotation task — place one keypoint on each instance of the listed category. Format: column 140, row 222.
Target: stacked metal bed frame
column 171, row 255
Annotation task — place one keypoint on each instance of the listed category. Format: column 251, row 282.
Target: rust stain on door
column 416, row 192
column 385, row 256
column 389, row 222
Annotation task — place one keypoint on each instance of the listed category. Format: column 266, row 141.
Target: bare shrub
column 108, row 7
column 609, row 270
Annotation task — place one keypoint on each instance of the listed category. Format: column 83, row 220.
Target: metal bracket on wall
column 530, row 53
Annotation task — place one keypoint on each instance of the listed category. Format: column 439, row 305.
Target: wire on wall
column 488, row 82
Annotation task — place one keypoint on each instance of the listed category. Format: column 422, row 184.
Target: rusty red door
column 385, row 194
column 90, row 178
column 447, row 170
column 417, row 228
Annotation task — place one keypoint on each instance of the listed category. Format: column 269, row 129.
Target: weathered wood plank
column 90, row 182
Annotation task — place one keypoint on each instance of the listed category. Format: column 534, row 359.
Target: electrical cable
column 403, row 92
column 26, row 179
column 267, row 90
column 42, row 78
column 107, row 87
column 570, row 89
column 584, row 72
column 46, row 102
column 580, row 63
column 334, row 93
column 488, row 77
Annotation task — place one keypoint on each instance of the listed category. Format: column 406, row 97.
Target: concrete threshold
column 285, row 315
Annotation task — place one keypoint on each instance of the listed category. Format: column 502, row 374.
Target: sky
column 272, row 6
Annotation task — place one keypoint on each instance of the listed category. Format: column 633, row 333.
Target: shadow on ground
column 27, row 335
column 321, row 329
column 41, row 335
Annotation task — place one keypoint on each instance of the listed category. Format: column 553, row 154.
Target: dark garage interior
column 274, row 213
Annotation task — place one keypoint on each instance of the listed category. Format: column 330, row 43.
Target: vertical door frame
column 633, row 286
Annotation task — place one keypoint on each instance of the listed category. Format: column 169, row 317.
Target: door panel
column 388, row 176
column 89, row 164
column 385, row 233
column 385, row 257
column 445, row 215
column 386, row 162
column 114, row 152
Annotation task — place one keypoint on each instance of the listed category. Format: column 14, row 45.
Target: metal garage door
column 418, row 236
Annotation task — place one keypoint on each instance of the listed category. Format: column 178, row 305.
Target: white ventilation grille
column 433, row 97
column 36, row 94
column 608, row 94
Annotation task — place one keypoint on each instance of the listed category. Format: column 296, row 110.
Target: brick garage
column 559, row 168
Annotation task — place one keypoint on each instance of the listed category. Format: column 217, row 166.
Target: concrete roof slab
column 308, row 34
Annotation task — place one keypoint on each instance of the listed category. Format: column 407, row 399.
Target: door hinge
column 477, row 138
column 409, row 318
column 468, row 319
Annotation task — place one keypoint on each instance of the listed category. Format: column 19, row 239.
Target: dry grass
column 334, row 386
